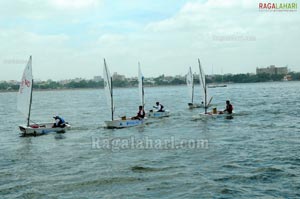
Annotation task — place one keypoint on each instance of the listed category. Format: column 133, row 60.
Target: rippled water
column 254, row 155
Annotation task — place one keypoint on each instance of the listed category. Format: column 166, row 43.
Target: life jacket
column 161, row 107
column 61, row 120
column 229, row 108
column 141, row 113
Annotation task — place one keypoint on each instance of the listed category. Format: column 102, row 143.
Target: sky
column 70, row 38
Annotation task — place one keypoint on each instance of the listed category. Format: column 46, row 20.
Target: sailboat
column 190, row 85
column 120, row 122
column 24, row 106
column 204, row 87
column 207, row 103
column 151, row 113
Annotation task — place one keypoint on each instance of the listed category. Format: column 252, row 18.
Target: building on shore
column 119, row 77
column 97, row 79
column 272, row 70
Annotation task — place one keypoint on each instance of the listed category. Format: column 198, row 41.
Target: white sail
column 202, row 83
column 25, row 91
column 108, row 88
column 141, row 86
column 190, row 84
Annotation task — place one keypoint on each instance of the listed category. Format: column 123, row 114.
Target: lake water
column 254, row 155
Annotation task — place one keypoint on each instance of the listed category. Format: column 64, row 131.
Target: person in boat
column 140, row 114
column 59, row 122
column 229, row 107
column 159, row 107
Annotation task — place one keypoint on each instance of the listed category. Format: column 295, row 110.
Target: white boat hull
column 158, row 114
column 123, row 123
column 41, row 129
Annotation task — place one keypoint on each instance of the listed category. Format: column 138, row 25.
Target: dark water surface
column 254, row 155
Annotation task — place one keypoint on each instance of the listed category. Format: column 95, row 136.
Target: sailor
column 159, row 107
column 59, row 122
column 229, row 107
column 140, row 114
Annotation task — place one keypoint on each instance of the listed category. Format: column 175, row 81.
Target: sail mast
column 141, row 85
column 112, row 100
column 25, row 91
column 108, row 89
column 143, row 92
column 28, row 119
column 192, row 76
column 203, row 82
column 30, row 101
column 205, row 100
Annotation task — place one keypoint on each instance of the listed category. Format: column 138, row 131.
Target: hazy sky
column 70, row 38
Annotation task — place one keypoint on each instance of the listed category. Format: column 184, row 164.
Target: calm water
column 254, row 155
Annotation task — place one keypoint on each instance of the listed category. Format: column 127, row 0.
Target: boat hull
column 41, row 129
column 158, row 114
column 211, row 115
column 123, row 123
column 216, row 86
column 217, row 115
column 195, row 105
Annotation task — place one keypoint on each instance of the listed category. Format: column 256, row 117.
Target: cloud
column 46, row 9
column 197, row 24
column 48, row 51
column 111, row 39
column 70, row 38
column 209, row 15
column 74, row 4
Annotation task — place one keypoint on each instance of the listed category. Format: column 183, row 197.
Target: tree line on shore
column 158, row 81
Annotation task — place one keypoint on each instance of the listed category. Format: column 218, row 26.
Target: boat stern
column 158, row 114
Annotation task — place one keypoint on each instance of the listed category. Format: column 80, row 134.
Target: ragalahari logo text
column 277, row 7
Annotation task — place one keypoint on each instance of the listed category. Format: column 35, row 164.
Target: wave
column 229, row 191
column 231, row 166
column 149, row 169
column 268, row 169
column 267, row 174
column 102, row 182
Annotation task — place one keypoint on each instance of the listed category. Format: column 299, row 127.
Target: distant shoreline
column 120, row 81
column 67, row 89
column 146, row 86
